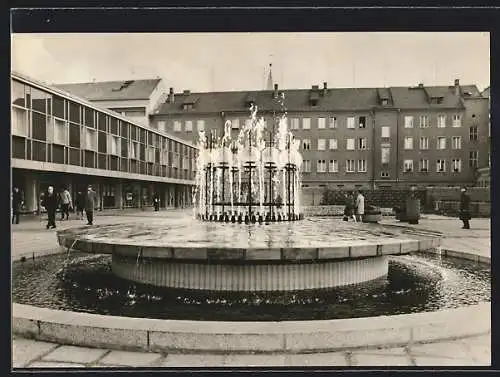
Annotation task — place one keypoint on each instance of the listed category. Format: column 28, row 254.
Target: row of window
column 441, row 143
column 360, row 166
column 323, row 123
column 37, row 113
column 424, row 122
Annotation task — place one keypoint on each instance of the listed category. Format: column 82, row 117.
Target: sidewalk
column 31, row 236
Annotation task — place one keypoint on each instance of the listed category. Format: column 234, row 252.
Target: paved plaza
column 31, row 237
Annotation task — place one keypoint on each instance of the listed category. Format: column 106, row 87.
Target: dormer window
column 385, row 102
column 187, row 106
column 313, row 98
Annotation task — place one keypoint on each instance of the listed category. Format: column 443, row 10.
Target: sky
column 203, row 62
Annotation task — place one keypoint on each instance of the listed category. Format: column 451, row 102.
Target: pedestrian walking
column 17, row 202
column 156, row 202
column 50, row 202
column 66, row 204
column 79, row 204
column 360, row 206
column 464, row 208
column 90, row 199
column 349, row 208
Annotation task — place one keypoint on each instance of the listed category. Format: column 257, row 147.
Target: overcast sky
column 239, row 61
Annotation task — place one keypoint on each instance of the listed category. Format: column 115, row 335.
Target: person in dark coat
column 464, row 208
column 156, row 200
column 50, row 202
column 79, row 204
column 17, row 202
column 90, row 199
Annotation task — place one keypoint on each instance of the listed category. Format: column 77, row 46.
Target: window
column 333, row 122
column 164, row 157
column 386, row 131
column 332, row 144
column 349, row 166
column 424, row 121
column 321, row 168
column 162, row 126
column 361, row 166
column 441, row 143
column 333, row 166
column 408, row 121
column 177, row 126
column 489, row 159
column 200, row 125
column 424, row 142
column 235, row 123
column 350, row 144
column 456, row 165
column 60, row 131
column 133, row 152
column 457, row 120
column 362, row 143
column 456, row 142
column 441, row 123
column 306, row 144
column 385, row 154
column 350, row 122
column 19, row 122
column 408, row 166
column 185, row 163
column 473, row 159
column 424, row 165
column 408, row 143
column 473, row 133
column 362, row 122
column 321, row 123
column 90, row 139
column 150, row 154
column 189, row 126
column 295, row 123
column 384, row 174
column 114, row 145
column 306, row 123
column 441, row 166
column 307, row 166
column 321, row 144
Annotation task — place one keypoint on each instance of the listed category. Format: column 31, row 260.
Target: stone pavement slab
column 337, row 359
column 131, row 359
column 26, row 350
column 254, row 360
column 192, row 360
column 82, row 355
column 381, row 357
column 49, row 364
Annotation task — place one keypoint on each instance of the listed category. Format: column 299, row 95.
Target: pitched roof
column 295, row 100
column 418, row 97
column 486, row 92
column 112, row 90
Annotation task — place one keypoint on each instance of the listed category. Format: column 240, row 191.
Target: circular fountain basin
column 312, row 254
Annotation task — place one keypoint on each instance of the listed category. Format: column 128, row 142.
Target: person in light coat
column 66, row 204
column 360, row 206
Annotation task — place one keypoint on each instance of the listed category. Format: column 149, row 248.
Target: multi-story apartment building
column 135, row 99
column 369, row 137
column 484, row 171
column 61, row 140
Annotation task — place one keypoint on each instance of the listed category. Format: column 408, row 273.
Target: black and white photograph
column 250, row 199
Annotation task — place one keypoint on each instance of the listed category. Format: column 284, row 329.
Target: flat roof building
column 65, row 141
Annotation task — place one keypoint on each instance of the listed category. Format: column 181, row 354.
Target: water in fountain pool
column 415, row 283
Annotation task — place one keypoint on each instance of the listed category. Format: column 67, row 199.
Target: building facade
column 359, row 137
column 484, row 171
column 135, row 99
column 61, row 140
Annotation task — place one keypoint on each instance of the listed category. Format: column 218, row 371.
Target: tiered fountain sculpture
column 249, row 179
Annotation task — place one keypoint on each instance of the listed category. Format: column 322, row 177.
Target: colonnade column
column 30, row 192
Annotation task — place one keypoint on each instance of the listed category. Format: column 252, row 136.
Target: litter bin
column 412, row 210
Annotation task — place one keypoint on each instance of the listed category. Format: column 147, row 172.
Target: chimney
column 171, row 98
column 325, row 88
column 420, row 85
column 275, row 94
column 187, row 92
column 457, row 87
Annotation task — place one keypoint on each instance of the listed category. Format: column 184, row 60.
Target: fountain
column 263, row 175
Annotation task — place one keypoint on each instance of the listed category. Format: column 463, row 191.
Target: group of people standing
column 354, row 206
column 51, row 201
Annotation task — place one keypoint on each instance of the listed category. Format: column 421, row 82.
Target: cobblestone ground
column 31, row 236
